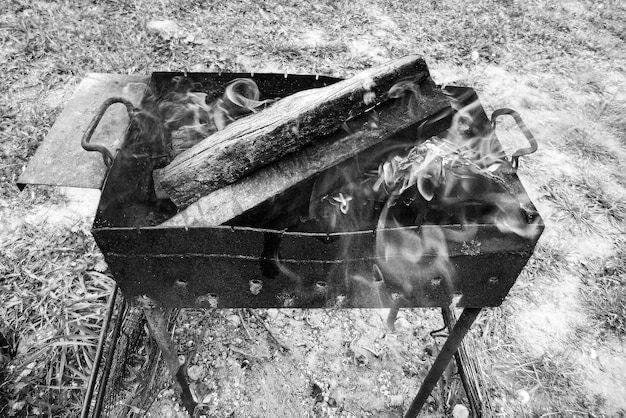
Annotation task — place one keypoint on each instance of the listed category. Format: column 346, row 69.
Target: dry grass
column 51, row 294
column 573, row 211
column 604, row 197
column 583, row 202
column 582, row 144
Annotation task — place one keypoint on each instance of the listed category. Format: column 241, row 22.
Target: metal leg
column 443, row 359
column 391, row 318
column 158, row 326
column 109, row 361
column 468, row 369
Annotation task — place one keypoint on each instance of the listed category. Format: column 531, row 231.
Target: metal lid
column 60, row 160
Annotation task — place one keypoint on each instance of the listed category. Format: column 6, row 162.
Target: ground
column 554, row 348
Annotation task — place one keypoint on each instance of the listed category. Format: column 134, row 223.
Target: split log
column 274, row 189
column 288, row 125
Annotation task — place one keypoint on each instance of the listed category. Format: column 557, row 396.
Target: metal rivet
column 255, row 286
column 320, row 286
column 210, row 299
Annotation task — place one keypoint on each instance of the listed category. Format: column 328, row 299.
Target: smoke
column 183, row 116
column 461, row 179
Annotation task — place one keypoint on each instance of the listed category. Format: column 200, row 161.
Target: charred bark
column 277, row 189
column 285, row 127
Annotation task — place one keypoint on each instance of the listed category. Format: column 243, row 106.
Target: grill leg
column 391, row 318
column 158, row 326
column 461, row 327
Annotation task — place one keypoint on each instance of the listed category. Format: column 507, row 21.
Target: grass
column 573, row 211
column 535, row 385
column 549, row 380
column 51, row 291
column 582, row 199
column 603, row 196
column 53, row 300
column 582, row 144
column 605, row 292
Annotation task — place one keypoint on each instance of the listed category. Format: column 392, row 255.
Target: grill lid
column 60, row 160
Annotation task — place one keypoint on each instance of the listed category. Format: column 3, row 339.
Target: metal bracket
column 522, row 126
column 107, row 156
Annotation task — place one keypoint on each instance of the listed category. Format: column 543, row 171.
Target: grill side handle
column 522, row 126
column 107, row 156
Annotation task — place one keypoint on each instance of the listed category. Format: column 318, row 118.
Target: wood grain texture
column 265, row 187
column 288, row 125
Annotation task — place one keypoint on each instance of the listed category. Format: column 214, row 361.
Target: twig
column 248, row 355
column 243, row 324
column 370, row 350
column 269, row 331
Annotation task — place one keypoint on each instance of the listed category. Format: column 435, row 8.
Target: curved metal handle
column 522, row 126
column 107, row 156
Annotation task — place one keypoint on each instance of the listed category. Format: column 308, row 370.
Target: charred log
column 288, row 125
column 277, row 189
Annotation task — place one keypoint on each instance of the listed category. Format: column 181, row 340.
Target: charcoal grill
column 246, row 264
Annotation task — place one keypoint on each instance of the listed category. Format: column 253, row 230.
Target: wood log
column 289, row 124
column 272, row 190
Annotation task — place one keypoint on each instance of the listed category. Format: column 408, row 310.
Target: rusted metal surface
column 522, row 126
column 107, row 155
column 157, row 321
column 60, row 160
column 214, row 267
column 247, row 266
column 213, row 83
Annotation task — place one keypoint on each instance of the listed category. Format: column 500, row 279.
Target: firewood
column 288, row 125
column 271, row 190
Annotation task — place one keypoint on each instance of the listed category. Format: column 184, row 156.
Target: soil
column 309, row 363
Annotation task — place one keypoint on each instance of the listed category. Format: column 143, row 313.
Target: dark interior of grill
column 128, row 198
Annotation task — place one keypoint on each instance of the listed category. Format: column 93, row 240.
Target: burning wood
column 438, row 167
column 288, row 125
column 270, row 192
